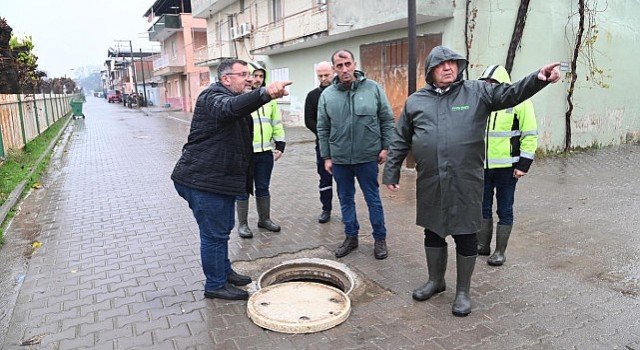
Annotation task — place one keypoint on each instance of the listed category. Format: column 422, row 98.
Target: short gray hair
column 226, row 66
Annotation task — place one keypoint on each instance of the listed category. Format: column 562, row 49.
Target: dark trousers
column 367, row 175
column 466, row 245
column 214, row 214
column 326, row 182
column 262, row 169
column 502, row 181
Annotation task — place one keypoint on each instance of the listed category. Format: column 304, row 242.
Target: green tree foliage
column 18, row 65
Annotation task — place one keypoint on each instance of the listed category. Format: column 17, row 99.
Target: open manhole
column 302, row 296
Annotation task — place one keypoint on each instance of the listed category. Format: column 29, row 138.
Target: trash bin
column 76, row 107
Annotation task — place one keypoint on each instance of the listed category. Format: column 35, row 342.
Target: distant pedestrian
column 324, row 72
column 268, row 147
column 443, row 125
column 355, row 122
column 215, row 165
column 511, row 139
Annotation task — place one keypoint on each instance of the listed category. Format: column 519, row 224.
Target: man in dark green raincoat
column 443, row 126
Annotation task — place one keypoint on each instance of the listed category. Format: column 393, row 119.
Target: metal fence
column 25, row 116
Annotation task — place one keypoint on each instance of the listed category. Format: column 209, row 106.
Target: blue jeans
column 504, row 183
column 367, row 175
column 262, row 169
column 214, row 214
column 326, row 182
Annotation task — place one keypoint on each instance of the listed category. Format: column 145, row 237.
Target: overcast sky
column 72, row 33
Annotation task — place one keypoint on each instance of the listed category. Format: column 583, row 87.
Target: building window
column 275, row 10
column 230, row 21
column 221, row 36
column 280, row 74
column 396, row 54
column 174, row 49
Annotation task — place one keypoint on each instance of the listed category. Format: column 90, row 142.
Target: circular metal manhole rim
column 297, row 300
column 335, row 272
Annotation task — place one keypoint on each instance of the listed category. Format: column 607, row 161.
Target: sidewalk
column 119, row 265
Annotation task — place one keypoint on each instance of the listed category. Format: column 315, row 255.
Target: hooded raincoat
column 444, row 129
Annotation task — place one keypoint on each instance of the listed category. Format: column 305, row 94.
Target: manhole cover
column 322, row 271
column 298, row 307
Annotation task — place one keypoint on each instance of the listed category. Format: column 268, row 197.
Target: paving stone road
column 119, row 265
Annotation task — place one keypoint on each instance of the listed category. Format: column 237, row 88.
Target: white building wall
column 603, row 114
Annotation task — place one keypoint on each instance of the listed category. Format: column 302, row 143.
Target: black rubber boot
column 437, row 266
column 484, row 237
column 264, row 214
column 502, row 238
column 242, row 207
column 462, row 303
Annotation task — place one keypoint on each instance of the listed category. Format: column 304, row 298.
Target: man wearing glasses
column 215, row 165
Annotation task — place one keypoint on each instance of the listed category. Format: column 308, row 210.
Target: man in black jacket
column 324, row 72
column 214, row 168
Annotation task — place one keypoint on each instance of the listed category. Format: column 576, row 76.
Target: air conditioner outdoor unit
column 244, row 29
column 235, row 33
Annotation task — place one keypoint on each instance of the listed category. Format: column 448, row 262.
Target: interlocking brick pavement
column 119, row 263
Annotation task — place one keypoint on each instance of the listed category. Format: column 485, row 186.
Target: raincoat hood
column 497, row 73
column 440, row 54
column 254, row 67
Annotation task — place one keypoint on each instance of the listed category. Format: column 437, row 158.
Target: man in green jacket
column 443, row 126
column 511, row 139
column 355, row 122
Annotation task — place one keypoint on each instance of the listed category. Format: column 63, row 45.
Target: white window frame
column 280, row 74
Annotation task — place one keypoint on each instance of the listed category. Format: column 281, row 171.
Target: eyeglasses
column 243, row 74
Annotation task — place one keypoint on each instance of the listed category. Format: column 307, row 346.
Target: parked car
column 113, row 96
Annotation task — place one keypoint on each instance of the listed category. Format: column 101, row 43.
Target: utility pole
column 411, row 10
column 135, row 78
column 144, row 87
column 410, row 162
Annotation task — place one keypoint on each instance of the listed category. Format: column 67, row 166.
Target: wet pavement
column 119, row 266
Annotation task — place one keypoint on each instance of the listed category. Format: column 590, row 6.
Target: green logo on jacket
column 459, row 108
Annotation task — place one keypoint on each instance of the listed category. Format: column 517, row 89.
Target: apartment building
column 290, row 36
column 179, row 80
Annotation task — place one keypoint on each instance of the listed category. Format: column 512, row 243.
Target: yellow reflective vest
column 268, row 131
column 511, row 136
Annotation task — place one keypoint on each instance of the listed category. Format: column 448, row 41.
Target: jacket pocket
column 234, row 163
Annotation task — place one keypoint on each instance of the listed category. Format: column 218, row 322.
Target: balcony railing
column 165, row 26
column 165, row 61
column 214, row 53
column 303, row 24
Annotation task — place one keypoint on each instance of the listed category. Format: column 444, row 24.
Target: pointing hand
column 278, row 89
column 550, row 73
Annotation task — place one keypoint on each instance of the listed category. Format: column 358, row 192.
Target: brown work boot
column 380, row 249
column 350, row 243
